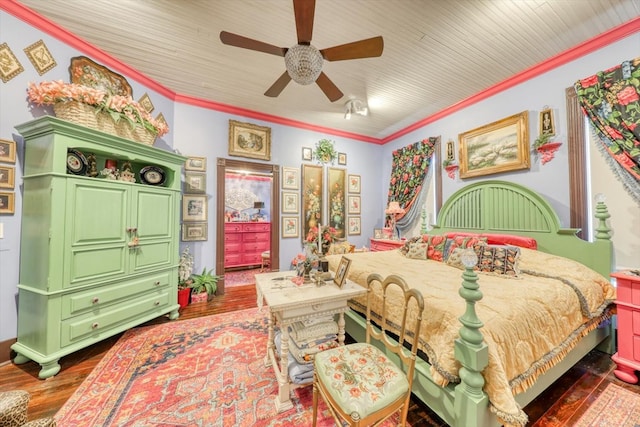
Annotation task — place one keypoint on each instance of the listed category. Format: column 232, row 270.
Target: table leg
column 270, row 344
column 283, row 401
column 341, row 325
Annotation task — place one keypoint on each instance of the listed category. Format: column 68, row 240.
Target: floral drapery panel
column 611, row 101
column 409, row 170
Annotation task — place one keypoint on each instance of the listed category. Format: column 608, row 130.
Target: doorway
column 227, row 165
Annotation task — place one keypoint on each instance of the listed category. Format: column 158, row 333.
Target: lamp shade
column 394, row 208
column 258, row 205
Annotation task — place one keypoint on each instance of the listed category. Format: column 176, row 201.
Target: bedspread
column 530, row 322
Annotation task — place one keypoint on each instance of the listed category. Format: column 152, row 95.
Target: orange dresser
column 628, row 306
column 378, row 245
column 244, row 242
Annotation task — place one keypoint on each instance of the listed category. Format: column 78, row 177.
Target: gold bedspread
column 530, row 321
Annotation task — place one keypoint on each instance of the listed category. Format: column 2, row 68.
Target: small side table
column 289, row 303
column 628, row 306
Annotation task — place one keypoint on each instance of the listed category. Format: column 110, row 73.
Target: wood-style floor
column 559, row 406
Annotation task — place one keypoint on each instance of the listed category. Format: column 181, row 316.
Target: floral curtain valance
column 611, row 101
column 409, row 167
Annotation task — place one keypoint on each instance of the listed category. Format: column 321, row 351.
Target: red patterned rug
column 615, row 406
column 241, row 277
column 200, row 372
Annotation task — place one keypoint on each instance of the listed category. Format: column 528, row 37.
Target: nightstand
column 628, row 306
column 378, row 245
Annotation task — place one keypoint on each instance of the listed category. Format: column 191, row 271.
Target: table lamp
column 392, row 210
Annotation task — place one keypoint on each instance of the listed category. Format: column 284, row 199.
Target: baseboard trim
column 5, row 351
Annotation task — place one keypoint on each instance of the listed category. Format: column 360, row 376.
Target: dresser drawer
column 233, row 227
column 83, row 301
column 253, row 258
column 329, row 306
column 256, row 226
column 256, row 247
column 99, row 322
column 231, row 260
column 232, row 237
column 255, row 237
column 233, row 247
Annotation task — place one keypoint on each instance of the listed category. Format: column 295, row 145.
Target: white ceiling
column 436, row 52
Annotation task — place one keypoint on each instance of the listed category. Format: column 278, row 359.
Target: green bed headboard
column 508, row 208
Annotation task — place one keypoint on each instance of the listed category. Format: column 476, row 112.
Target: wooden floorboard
column 565, row 400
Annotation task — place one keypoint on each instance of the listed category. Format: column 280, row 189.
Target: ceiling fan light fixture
column 355, row 106
column 304, row 63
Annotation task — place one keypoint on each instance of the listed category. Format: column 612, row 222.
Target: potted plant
column 185, row 267
column 545, row 147
column 325, row 151
column 203, row 285
column 451, row 168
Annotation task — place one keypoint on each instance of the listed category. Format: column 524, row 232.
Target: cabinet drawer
column 100, row 321
column 256, row 226
column 256, row 247
column 92, row 299
column 232, row 248
column 231, row 260
column 329, row 306
column 628, row 290
column 255, row 237
column 251, row 258
column 232, row 237
column 233, row 227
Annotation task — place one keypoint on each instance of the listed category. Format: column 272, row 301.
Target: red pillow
column 501, row 239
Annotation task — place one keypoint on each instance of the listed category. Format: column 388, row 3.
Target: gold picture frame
column 249, row 140
column 195, row 183
column 7, row 203
column 145, row 102
column 290, row 227
column 7, row 177
column 341, row 273
column 11, row 67
column 40, row 57
column 194, row 208
column 196, row 164
column 194, row 231
column 547, row 124
column 290, row 178
column 312, row 197
column 290, row 202
column 336, row 199
column 498, row 147
column 7, row 151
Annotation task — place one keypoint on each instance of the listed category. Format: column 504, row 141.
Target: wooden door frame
column 222, row 165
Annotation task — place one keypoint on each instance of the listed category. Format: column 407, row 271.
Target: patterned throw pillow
column 499, row 259
column 436, row 247
column 454, row 258
column 404, row 249
column 417, row 250
column 461, row 242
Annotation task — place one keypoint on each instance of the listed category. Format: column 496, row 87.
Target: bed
column 487, row 355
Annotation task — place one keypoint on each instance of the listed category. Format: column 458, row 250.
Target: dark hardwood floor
column 561, row 404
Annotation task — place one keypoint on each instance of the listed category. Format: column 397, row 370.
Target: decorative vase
column 184, row 295
column 201, row 297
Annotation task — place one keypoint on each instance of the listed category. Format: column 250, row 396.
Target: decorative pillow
column 405, row 248
column 436, row 247
column 417, row 250
column 499, row 259
column 461, row 242
column 454, row 258
column 339, row 248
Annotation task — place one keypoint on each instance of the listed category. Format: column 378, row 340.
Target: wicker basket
column 85, row 115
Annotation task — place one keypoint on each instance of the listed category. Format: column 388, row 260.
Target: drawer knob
column 94, row 326
column 95, row 300
column 156, row 303
column 157, row 282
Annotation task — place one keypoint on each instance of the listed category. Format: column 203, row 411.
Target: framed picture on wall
column 312, row 197
column 7, row 151
column 290, row 227
column 7, row 177
column 194, row 231
column 195, row 182
column 7, row 203
column 336, row 200
column 290, row 178
column 194, row 208
column 249, row 140
column 342, row 158
column 354, row 205
column 307, row 153
column 354, row 226
column 354, row 183
column 196, row 164
column 290, row 202
column 547, row 125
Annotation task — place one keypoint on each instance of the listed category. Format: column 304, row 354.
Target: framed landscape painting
column 249, row 140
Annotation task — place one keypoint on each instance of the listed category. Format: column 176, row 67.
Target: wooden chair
column 361, row 384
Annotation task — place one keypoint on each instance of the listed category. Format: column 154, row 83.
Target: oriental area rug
column 207, row 371
column 241, row 277
column 615, row 406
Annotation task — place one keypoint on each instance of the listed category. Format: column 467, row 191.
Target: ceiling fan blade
column 304, row 11
column 367, row 48
column 279, row 85
column 247, row 43
column 329, row 89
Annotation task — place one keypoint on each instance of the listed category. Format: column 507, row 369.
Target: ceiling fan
column 303, row 61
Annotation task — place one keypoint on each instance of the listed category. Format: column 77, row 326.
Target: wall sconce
column 355, row 106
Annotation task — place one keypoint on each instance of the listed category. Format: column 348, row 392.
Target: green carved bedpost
column 471, row 351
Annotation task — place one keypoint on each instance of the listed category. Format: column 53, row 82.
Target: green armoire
column 97, row 256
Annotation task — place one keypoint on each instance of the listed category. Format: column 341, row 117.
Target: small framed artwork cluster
column 194, row 200
column 7, row 177
column 290, row 208
column 353, row 205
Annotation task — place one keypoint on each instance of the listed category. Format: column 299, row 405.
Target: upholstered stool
column 266, row 260
column 13, row 408
column 42, row 422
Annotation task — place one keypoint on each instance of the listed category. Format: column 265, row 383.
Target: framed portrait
column 354, row 205
column 194, row 208
column 40, row 57
column 290, row 202
column 249, row 140
column 547, row 124
column 7, row 177
column 341, row 273
column 451, row 150
column 342, row 158
column 7, row 203
column 290, row 227
column 196, row 164
column 307, row 153
column 146, row 103
column 354, row 183
column 195, row 182
column 336, row 200
column 354, row 226
column 194, row 231
column 11, row 67
column 7, row 151
column 290, row 178
column 497, row 147
column 312, row 197
column 377, row 233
